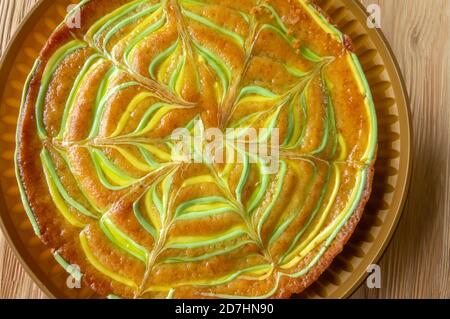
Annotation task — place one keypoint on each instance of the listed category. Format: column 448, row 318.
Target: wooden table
column 417, row 262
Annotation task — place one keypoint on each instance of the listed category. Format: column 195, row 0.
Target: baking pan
column 391, row 169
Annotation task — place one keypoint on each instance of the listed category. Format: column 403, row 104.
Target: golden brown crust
column 296, row 286
column 59, row 235
column 55, row 232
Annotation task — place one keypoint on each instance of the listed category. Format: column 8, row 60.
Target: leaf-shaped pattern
column 95, row 153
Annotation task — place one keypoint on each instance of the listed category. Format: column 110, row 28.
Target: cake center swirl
column 197, row 148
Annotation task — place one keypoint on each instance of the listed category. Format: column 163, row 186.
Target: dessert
column 95, row 146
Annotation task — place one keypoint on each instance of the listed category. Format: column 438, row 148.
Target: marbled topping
column 94, row 145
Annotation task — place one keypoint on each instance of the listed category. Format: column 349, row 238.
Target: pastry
column 96, row 144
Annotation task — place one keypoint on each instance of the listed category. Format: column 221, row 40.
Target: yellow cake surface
column 100, row 170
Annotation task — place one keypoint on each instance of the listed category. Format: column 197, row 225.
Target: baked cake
column 95, row 146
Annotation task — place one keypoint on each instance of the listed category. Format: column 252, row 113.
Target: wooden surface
column 417, row 262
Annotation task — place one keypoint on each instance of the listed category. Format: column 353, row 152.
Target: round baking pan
column 391, row 169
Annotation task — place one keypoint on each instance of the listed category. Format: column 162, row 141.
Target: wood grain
column 417, row 262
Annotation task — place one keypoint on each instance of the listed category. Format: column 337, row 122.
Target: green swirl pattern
column 94, row 157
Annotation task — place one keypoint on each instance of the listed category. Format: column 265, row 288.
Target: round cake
column 196, row 148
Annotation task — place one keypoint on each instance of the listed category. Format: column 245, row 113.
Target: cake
column 95, row 146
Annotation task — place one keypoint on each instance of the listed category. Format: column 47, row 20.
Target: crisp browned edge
column 298, row 285
column 287, row 287
column 323, row 263
column 403, row 105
